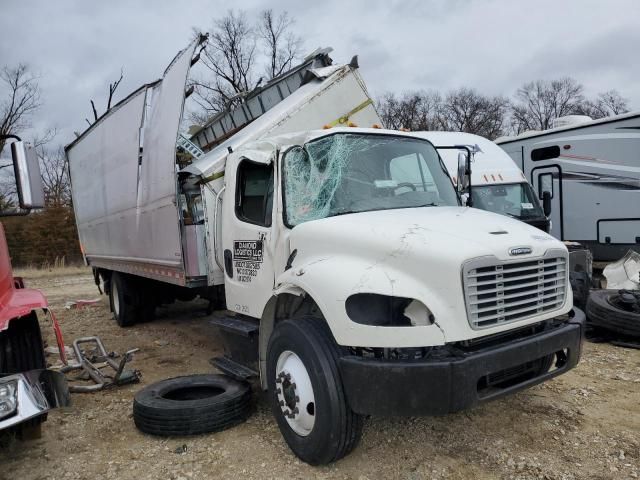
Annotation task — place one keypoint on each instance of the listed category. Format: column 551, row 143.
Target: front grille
column 498, row 293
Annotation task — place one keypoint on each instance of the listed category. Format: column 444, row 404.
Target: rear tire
column 130, row 300
column 303, row 355
column 21, row 350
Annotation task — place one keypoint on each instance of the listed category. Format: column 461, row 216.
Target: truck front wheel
column 306, row 393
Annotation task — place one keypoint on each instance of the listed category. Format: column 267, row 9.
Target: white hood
column 458, row 233
column 414, row 253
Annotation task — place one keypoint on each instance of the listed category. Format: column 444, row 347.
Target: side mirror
column 28, row 179
column 546, row 202
column 463, row 173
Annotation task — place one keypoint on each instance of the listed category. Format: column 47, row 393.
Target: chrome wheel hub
column 295, row 393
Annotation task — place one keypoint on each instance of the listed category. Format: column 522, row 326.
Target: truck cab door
column 247, row 256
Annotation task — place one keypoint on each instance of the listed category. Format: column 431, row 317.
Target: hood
column 454, row 233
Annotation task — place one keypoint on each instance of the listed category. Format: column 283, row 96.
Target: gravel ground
column 585, row 424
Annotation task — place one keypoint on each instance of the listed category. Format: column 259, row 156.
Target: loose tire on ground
column 602, row 314
column 191, row 405
column 336, row 429
column 21, row 350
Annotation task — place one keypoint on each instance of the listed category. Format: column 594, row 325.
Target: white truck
column 499, row 185
column 357, row 282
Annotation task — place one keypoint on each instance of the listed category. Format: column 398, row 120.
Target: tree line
column 241, row 53
column 534, row 106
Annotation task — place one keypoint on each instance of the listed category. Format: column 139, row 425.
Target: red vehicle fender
column 16, row 301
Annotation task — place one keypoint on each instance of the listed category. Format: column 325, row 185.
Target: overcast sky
column 78, row 47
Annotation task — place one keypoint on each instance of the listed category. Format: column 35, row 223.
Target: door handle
column 228, row 263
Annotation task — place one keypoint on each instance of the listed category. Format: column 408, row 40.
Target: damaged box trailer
column 357, row 281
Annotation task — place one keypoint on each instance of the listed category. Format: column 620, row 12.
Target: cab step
column 239, row 335
column 239, row 325
column 234, row 369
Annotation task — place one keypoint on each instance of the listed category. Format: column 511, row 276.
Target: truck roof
column 491, row 164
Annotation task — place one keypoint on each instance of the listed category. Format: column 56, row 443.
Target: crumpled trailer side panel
column 123, row 177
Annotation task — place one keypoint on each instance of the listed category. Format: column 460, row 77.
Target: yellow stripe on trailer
column 343, row 120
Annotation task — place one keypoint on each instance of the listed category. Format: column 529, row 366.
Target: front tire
column 306, row 392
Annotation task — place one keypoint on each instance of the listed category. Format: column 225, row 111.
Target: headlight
column 8, row 398
column 387, row 311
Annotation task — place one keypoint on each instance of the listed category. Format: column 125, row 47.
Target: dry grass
column 51, row 271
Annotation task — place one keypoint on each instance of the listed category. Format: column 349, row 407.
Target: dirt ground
column 585, row 424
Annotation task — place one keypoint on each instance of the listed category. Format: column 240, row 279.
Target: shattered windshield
column 514, row 200
column 349, row 173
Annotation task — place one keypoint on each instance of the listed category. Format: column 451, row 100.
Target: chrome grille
column 498, row 293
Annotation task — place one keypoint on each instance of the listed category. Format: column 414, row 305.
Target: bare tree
column 282, row 45
column 19, row 99
column 236, row 52
column 55, row 176
column 605, row 105
column 538, row 103
column 230, row 56
column 412, row 110
column 112, row 89
column 466, row 110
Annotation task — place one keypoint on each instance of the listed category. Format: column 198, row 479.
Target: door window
column 545, row 184
column 254, row 193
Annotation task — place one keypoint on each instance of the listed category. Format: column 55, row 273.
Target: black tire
column 602, row 314
column 129, row 300
column 337, row 429
column 21, row 350
column 191, row 405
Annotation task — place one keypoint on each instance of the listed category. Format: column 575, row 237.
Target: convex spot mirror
column 27, row 172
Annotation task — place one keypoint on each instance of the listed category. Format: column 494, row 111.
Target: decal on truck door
column 247, row 259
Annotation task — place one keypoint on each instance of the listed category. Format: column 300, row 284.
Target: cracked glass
column 348, row 173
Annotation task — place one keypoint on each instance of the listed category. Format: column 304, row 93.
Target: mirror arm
column 15, row 137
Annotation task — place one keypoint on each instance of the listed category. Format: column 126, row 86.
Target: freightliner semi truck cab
column 376, row 290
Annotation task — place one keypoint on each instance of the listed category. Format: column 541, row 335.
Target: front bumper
column 461, row 379
column 36, row 392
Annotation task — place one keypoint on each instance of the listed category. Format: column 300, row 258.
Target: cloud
column 78, row 47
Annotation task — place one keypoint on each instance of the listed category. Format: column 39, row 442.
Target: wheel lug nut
column 297, row 398
column 282, row 403
column 278, row 391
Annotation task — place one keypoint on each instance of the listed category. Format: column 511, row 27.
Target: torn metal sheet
column 625, row 273
column 81, row 303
